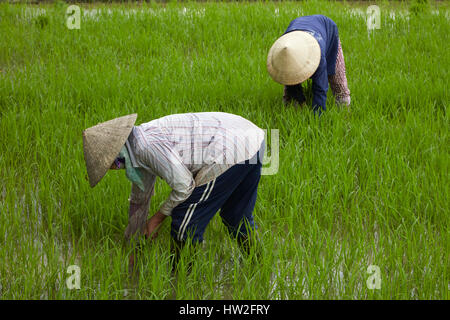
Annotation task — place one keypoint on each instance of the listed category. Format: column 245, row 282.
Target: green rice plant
column 355, row 188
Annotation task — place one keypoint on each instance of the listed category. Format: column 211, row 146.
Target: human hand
column 153, row 225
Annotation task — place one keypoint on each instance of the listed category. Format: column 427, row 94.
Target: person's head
column 102, row 144
column 293, row 58
column 118, row 163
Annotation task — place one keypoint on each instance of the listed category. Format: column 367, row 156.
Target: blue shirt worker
column 310, row 49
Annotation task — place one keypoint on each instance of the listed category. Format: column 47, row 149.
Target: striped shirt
column 186, row 150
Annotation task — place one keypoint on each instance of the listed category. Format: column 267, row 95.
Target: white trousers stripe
column 205, row 192
column 189, row 213
column 210, row 189
column 184, row 221
column 191, row 209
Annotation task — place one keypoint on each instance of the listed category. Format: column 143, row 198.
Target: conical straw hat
column 102, row 143
column 293, row 58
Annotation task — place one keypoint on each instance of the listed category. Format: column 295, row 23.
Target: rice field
column 356, row 190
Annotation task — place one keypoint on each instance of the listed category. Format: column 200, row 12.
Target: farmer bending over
column 310, row 48
column 211, row 160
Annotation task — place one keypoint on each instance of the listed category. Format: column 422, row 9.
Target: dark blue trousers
column 233, row 193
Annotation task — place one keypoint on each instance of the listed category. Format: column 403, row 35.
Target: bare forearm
column 136, row 221
column 153, row 224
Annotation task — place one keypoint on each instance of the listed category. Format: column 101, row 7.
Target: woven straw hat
column 102, row 143
column 293, row 58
